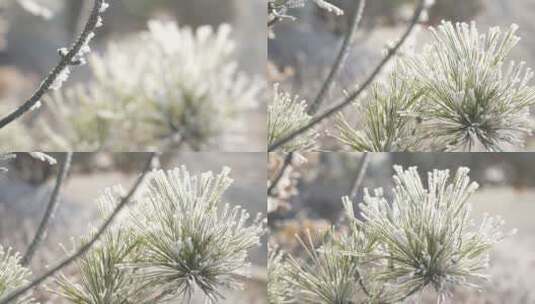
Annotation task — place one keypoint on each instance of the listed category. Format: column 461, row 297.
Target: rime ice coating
column 474, row 100
column 191, row 240
column 285, row 115
column 390, row 252
column 460, row 93
column 82, row 50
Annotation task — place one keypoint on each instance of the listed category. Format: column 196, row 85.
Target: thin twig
column 362, row 286
column 361, row 172
column 287, row 162
column 84, row 248
column 351, row 97
column 49, row 212
column 67, row 59
column 341, row 58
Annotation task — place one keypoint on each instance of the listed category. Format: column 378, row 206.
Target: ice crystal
column 81, row 47
column 63, row 76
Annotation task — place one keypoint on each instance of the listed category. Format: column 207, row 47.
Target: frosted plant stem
column 287, row 162
column 49, row 212
column 66, row 60
column 341, row 58
column 84, row 248
column 361, row 172
column 352, row 96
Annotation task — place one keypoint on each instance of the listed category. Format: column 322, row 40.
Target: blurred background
column 30, row 38
column 310, row 198
column 303, row 51
column 25, row 189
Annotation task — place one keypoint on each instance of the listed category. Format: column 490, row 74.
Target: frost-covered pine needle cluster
column 178, row 241
column 387, row 124
column 423, row 237
column 467, row 96
column 287, row 114
column 101, row 277
column 191, row 241
column 427, row 236
column 478, row 100
column 166, row 84
column 13, row 275
column 279, row 290
column 326, row 275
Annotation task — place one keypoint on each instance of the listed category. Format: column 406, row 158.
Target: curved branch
column 341, row 105
column 341, row 58
column 69, row 58
column 84, row 248
column 50, row 209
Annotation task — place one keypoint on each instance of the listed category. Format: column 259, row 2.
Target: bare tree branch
column 49, row 211
column 67, row 59
column 341, row 58
column 287, row 162
column 349, row 99
column 361, row 172
column 84, row 248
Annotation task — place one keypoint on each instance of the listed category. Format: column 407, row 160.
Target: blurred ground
column 22, row 201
